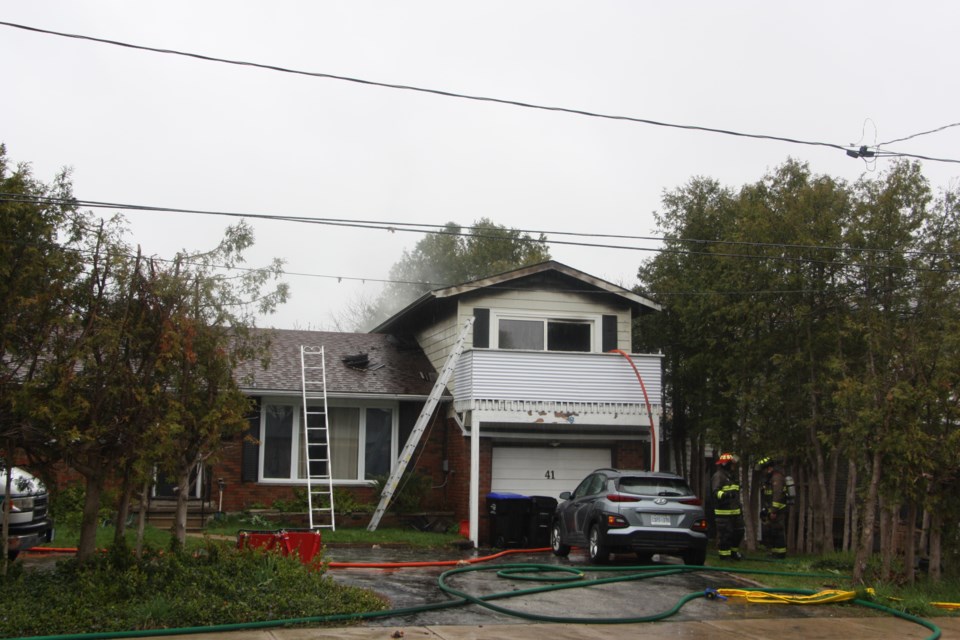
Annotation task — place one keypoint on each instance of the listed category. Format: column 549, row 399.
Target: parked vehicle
column 642, row 512
column 30, row 522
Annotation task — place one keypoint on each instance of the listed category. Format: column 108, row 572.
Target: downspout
column 654, row 442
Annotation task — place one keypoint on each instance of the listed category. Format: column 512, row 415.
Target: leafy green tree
column 206, row 334
column 86, row 397
column 38, row 261
column 142, row 373
column 454, row 256
column 815, row 319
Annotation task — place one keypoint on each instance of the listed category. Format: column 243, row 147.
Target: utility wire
column 474, row 231
column 442, row 230
column 922, row 133
column 462, row 96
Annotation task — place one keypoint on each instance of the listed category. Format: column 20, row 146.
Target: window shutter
column 609, row 333
column 250, row 452
column 481, row 328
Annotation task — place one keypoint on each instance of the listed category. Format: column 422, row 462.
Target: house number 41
column 549, row 475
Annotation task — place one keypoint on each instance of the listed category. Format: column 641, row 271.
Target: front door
column 164, row 487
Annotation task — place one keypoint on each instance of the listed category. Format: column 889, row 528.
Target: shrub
column 217, row 585
column 411, row 490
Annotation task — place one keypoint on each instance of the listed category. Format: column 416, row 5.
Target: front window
column 362, row 443
column 545, row 334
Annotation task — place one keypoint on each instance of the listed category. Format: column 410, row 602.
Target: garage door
column 543, row 471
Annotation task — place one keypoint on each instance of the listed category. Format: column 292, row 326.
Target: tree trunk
column 750, row 529
column 801, row 509
column 865, row 545
column 8, row 490
column 910, row 547
column 850, row 507
column 924, row 545
column 936, row 531
column 830, row 515
column 142, row 516
column 183, row 496
column 90, row 520
column 123, row 509
column 887, row 538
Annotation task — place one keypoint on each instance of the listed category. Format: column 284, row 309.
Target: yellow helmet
column 765, row 462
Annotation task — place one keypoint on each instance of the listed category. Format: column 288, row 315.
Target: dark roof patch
column 389, row 370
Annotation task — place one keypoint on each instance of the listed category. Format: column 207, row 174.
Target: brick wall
column 631, row 455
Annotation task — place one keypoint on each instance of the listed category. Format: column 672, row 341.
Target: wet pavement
column 410, row 587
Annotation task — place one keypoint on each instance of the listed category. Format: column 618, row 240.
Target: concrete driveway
column 410, row 587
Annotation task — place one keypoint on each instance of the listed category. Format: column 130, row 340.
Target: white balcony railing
column 484, row 378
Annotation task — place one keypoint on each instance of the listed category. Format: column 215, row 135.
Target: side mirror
column 565, row 495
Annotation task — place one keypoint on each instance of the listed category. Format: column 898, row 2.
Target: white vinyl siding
column 556, row 377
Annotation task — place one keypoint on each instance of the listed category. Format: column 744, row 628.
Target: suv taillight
column 693, row 501
column 700, row 525
column 615, row 521
column 619, row 497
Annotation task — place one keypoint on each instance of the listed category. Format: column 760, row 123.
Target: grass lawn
column 229, row 527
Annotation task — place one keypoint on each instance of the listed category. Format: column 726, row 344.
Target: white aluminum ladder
column 316, row 438
column 419, row 427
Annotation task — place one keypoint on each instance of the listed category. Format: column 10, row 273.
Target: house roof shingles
column 393, row 369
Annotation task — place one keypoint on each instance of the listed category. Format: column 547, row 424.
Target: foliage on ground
column 217, row 585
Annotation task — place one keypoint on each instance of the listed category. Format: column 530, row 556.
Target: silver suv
column 643, row 512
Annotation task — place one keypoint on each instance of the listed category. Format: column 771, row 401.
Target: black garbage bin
column 509, row 519
column 542, row 509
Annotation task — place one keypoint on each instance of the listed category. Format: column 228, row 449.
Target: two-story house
column 545, row 391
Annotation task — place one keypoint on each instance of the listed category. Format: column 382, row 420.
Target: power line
column 451, row 94
column 466, row 230
column 922, row 133
column 473, row 232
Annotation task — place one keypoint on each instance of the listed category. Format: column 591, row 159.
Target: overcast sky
column 160, row 130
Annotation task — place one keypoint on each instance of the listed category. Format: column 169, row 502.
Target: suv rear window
column 668, row 487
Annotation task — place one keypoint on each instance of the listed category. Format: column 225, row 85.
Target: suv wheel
column 599, row 553
column 556, row 541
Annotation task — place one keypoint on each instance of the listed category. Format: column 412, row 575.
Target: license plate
column 659, row 521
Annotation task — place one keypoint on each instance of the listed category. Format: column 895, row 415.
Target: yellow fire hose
column 828, row 596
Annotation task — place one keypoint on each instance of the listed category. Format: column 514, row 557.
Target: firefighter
column 728, row 510
column 773, row 507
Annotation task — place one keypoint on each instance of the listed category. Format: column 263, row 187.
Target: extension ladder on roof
column 391, row 486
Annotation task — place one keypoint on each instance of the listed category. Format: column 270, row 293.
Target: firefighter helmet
column 726, row 458
column 764, row 462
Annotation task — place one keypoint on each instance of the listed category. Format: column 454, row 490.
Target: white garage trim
column 544, row 471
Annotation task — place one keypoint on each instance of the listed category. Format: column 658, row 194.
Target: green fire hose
column 554, row 578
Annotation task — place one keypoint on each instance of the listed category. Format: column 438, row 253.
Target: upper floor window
column 532, row 331
column 545, row 335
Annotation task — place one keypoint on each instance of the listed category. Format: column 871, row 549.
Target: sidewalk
column 879, row 628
